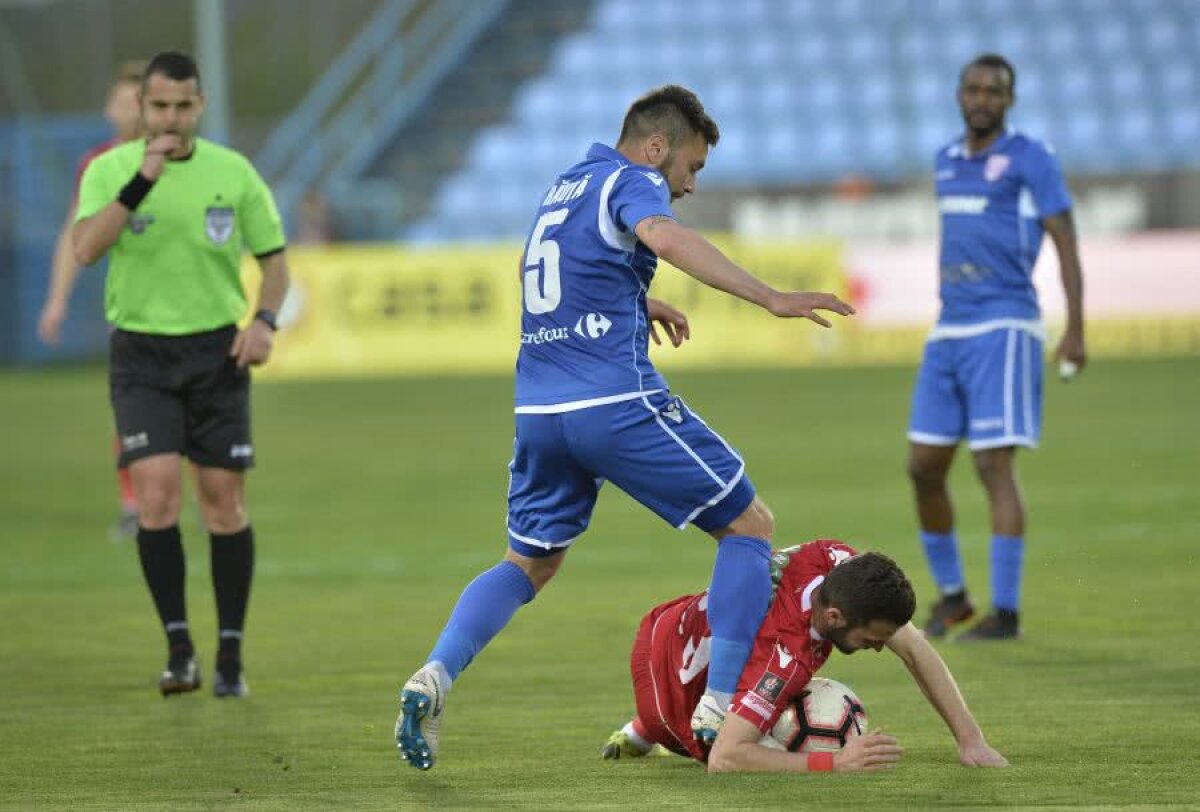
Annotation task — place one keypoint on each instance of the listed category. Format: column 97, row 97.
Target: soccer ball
column 820, row 719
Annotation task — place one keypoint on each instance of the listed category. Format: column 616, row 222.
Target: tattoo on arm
column 656, row 219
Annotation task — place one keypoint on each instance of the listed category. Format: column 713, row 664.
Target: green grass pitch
column 376, row 501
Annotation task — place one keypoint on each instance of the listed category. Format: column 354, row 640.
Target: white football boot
column 422, row 703
column 707, row 720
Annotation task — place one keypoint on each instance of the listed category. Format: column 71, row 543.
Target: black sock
column 165, row 569
column 232, row 572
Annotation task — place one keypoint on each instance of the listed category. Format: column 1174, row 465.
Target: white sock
column 724, row 698
column 635, row 739
column 443, row 676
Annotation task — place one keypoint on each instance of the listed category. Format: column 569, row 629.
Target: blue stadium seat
column 1109, row 38
column 928, row 91
column 1012, row 40
column 780, row 95
column 759, row 14
column 1178, row 80
column 1097, row 10
column 733, row 157
column 834, row 153
column 915, row 44
column 1061, row 41
column 810, row 90
column 617, row 16
column 1127, row 82
column 1038, row 121
column 1035, row 86
column 824, row 93
column 865, row 48
column 875, row 93
column 725, row 99
column 932, row 131
column 580, row 55
column 495, row 149
column 992, row 11
column 768, row 54
column 879, row 145
column 1136, row 131
column 811, row 53
column 456, row 200
column 538, row 100
column 1183, row 134
column 1076, row 83
column 1161, row 35
column 1086, row 140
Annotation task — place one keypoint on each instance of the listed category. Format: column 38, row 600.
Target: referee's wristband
column 820, row 762
column 133, row 193
column 267, row 317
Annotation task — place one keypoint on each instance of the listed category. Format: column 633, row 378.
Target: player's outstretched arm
column 737, row 749
column 937, row 683
column 700, row 259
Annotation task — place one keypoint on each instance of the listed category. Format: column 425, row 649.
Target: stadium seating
column 807, row 91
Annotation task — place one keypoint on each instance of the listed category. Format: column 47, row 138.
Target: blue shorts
column 654, row 448
column 986, row 389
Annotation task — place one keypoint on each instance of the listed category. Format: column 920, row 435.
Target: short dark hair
column 672, row 110
column 869, row 587
column 175, row 65
column 991, row 61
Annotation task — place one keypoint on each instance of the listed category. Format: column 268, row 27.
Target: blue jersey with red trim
column 992, row 204
column 585, row 276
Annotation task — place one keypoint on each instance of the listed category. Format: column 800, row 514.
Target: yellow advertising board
column 365, row 310
column 387, row 310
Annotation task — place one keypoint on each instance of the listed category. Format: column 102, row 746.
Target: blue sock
column 737, row 604
column 941, row 550
column 1007, row 555
column 483, row 609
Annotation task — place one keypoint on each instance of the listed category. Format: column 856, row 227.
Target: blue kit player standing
column 590, row 407
column 981, row 376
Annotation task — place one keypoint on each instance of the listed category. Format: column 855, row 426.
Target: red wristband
column 820, row 762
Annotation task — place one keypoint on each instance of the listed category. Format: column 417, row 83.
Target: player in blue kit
column 590, row 407
column 981, row 376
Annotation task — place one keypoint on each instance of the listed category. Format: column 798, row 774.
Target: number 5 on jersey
column 541, row 259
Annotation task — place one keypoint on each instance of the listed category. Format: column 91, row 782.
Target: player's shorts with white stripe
column 984, row 388
column 652, row 447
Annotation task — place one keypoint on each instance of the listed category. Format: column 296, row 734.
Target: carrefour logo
column 592, row 325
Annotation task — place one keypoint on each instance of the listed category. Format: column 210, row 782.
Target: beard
column 983, row 124
column 838, row 638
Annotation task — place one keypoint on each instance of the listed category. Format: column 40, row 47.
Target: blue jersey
column 991, row 208
column 585, row 276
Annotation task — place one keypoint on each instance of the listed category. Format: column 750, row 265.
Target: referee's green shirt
column 176, row 268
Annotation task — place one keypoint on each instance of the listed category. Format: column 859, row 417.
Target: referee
column 176, row 212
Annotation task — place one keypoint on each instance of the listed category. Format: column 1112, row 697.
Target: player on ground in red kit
column 827, row 595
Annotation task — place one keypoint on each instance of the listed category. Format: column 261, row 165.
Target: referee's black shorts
column 181, row 394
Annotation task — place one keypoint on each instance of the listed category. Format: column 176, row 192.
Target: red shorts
column 663, row 705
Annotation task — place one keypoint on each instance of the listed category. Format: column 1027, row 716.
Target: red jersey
column 671, row 653
column 89, row 156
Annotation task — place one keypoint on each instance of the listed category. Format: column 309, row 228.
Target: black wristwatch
column 267, row 317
